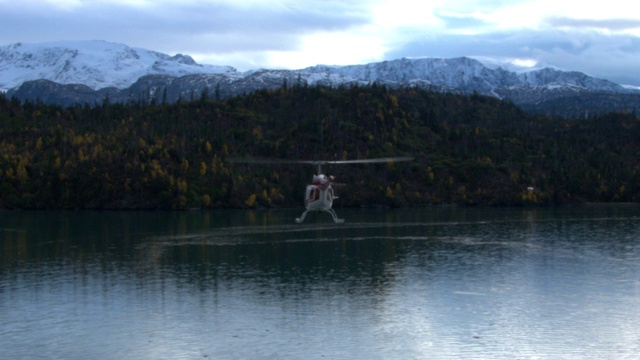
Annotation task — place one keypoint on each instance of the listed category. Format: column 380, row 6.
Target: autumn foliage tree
column 470, row 150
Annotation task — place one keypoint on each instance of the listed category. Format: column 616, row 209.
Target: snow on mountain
column 451, row 72
column 101, row 64
column 97, row 64
column 54, row 72
column 463, row 73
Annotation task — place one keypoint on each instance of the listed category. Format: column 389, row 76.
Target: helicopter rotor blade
column 370, row 161
column 268, row 161
column 318, row 162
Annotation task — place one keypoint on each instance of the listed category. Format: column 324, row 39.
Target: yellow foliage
column 251, row 200
column 182, row 186
column 156, row 169
column 97, row 151
column 529, row 196
column 21, row 171
column 206, row 200
column 185, row 165
column 203, row 168
column 394, row 101
column 275, row 194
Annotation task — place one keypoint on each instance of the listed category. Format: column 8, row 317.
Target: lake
column 420, row 283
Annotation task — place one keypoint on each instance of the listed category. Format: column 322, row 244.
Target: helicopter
column 320, row 193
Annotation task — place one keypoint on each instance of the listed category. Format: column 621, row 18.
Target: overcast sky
column 600, row 38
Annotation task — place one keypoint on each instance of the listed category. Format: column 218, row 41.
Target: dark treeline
column 468, row 150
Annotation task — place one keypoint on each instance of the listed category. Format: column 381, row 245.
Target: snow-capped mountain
column 87, row 72
column 96, row 64
column 462, row 74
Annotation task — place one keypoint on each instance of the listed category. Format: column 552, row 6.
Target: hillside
column 468, row 150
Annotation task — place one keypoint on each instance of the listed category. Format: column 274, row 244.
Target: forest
column 467, row 149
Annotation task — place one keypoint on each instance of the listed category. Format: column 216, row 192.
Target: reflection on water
column 408, row 283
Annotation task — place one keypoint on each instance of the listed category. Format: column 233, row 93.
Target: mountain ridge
column 95, row 63
column 51, row 72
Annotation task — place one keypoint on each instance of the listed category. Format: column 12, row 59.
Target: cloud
column 194, row 25
column 601, row 39
column 610, row 25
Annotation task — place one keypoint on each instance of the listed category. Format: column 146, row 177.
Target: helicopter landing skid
column 330, row 211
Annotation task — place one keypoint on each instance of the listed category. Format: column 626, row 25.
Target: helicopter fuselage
column 319, row 196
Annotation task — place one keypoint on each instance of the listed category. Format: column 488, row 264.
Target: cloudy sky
column 600, row 38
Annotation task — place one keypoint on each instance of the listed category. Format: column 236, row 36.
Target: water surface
column 388, row 284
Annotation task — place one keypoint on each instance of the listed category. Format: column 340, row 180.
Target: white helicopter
column 319, row 195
